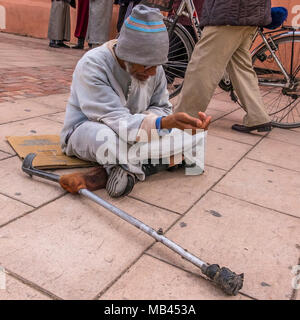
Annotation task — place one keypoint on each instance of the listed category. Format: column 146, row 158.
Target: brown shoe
column 92, row 180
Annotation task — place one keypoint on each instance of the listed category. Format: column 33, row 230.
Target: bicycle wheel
column 180, row 51
column 282, row 104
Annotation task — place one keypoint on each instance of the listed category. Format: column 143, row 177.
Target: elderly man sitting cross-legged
column 119, row 110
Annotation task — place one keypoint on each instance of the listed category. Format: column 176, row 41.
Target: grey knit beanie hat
column 144, row 38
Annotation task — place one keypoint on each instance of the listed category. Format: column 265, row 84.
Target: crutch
column 227, row 280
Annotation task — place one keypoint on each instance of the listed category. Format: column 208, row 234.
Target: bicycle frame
column 269, row 42
column 187, row 9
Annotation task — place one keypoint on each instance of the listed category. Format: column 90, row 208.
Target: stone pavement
column 243, row 212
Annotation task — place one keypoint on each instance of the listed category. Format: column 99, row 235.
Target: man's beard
column 136, row 85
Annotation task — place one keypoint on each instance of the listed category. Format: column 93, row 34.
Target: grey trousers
column 96, row 142
column 59, row 21
column 100, row 13
column 223, row 48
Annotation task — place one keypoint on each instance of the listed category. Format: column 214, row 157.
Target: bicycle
column 276, row 61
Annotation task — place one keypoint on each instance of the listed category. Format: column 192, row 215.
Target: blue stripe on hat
column 130, row 26
column 153, row 23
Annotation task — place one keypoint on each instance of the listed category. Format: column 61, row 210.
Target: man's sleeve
column 99, row 102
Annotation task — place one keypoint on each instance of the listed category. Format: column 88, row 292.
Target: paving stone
column 295, row 130
column 263, row 184
column 35, row 126
column 278, row 153
column 223, row 106
column 4, row 155
column 74, row 248
column 17, row 184
column 222, row 128
column 223, row 153
column 57, row 101
column 58, row 117
column 236, row 116
column 23, row 109
column 175, row 190
column 287, row 136
column 262, row 243
column 10, row 209
column 215, row 114
column 223, row 96
column 16, row 290
column 151, row 279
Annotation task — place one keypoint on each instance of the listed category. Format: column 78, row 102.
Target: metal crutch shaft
column 227, row 280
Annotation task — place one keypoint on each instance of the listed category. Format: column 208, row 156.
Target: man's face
column 140, row 72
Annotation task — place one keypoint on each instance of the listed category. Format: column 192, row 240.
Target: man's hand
column 182, row 120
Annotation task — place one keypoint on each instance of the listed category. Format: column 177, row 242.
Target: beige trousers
column 223, row 48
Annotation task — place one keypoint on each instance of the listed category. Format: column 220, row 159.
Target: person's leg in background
column 82, row 23
column 123, row 5
column 245, row 83
column 125, row 9
column 59, row 24
column 100, row 13
column 207, row 67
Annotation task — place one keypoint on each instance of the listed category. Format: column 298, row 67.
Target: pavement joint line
column 210, row 166
column 57, row 121
column 193, row 273
column 248, row 144
column 10, row 154
column 295, row 291
column 144, row 252
column 256, row 204
column 16, row 199
column 24, row 119
column 223, row 176
column 30, row 211
column 8, row 157
column 32, row 285
column 172, row 211
column 285, row 142
column 41, row 45
column 225, row 114
column 293, row 130
column 111, row 283
column 106, row 288
column 274, row 165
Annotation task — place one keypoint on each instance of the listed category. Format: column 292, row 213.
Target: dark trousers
column 82, row 19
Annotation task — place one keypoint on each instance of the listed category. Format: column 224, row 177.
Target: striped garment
column 145, row 26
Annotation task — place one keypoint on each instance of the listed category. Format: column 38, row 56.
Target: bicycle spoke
column 282, row 103
column 270, row 111
column 174, row 74
column 269, row 92
column 178, row 65
column 180, row 51
column 289, row 111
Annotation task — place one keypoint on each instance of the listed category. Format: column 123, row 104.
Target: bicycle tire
column 181, row 46
column 284, row 105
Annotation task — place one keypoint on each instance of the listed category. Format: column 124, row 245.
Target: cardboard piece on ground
column 47, row 148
